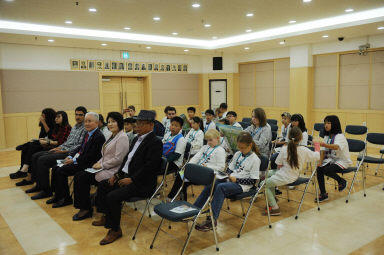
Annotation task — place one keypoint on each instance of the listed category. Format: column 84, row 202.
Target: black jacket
column 145, row 163
column 92, row 150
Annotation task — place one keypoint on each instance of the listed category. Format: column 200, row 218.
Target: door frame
column 226, row 90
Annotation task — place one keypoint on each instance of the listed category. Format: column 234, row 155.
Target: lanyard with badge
column 239, row 163
column 330, row 140
column 207, row 126
column 170, row 137
column 192, row 137
column 255, row 132
column 206, row 155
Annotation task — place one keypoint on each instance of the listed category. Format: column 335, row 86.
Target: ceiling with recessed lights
column 211, row 26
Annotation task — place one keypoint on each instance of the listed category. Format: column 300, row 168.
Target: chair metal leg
column 378, row 165
column 242, row 207
column 350, row 188
column 227, row 203
column 214, row 228
column 193, row 193
column 189, row 235
column 269, row 215
column 364, row 179
column 288, row 194
column 134, row 204
column 157, row 232
column 249, row 210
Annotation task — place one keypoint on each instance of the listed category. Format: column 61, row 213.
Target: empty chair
column 248, row 120
column 272, row 122
column 374, row 138
column 319, row 127
column 180, row 211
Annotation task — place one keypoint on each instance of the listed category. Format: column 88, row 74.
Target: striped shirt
column 75, row 138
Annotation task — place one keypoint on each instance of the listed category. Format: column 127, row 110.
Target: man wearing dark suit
column 84, row 157
column 137, row 177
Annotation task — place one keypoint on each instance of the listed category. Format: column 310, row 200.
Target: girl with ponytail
column 289, row 162
column 242, row 174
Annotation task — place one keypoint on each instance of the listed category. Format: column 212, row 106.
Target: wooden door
column 112, row 95
column 132, row 92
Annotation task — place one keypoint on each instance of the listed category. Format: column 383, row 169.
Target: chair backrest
column 199, row 175
column 355, row 145
column 244, row 124
column 274, row 128
column 246, row 120
column 264, row 163
column 272, row 121
column 376, row 138
column 310, row 139
column 318, row 126
column 356, row 130
column 274, row 135
column 187, row 149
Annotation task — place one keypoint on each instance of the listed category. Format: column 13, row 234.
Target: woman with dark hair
column 113, row 152
column 46, row 124
column 334, row 155
column 297, row 120
column 103, row 127
column 260, row 131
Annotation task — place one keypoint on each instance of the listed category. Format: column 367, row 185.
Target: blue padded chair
column 251, row 194
column 319, row 127
column 248, row 120
column 272, row 122
column 274, row 127
column 378, row 139
column 164, row 169
column 244, row 124
column 198, row 175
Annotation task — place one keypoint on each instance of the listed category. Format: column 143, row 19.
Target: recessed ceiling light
column 325, row 36
column 9, row 0
column 156, row 18
column 195, row 5
column 148, row 47
column 127, row 28
column 214, row 37
column 68, row 22
column 51, row 40
column 349, row 10
column 282, row 42
column 186, row 50
column 292, row 21
column 248, row 30
column 380, row 28
column 207, row 25
column 174, row 33
column 104, row 44
column 246, row 48
column 92, row 10
column 307, row 1
column 249, row 15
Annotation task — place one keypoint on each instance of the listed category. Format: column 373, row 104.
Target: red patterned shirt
column 61, row 134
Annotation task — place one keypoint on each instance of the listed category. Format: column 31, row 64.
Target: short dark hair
column 234, row 114
column 210, row 111
column 171, row 108
column 178, row 120
column 166, row 109
column 260, row 115
column 132, row 107
column 223, row 106
column 193, row 109
column 298, row 117
column 335, row 125
column 101, row 118
column 64, row 115
column 81, row 109
column 118, row 117
column 226, row 122
column 130, row 120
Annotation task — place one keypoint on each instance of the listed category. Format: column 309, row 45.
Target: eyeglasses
column 81, row 114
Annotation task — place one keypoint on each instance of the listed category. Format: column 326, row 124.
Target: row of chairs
column 199, row 175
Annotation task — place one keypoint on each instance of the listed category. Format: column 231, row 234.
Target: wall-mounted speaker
column 217, row 63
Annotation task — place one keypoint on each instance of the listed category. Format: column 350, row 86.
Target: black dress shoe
column 62, row 202
column 89, row 214
column 52, row 200
column 41, row 194
column 33, row 190
column 24, row 182
column 17, row 175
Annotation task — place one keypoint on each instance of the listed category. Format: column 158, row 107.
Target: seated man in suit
column 84, row 157
column 137, row 177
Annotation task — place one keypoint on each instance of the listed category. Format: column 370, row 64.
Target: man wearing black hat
column 137, row 177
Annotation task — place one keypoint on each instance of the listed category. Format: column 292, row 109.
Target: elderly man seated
column 84, row 157
column 137, row 177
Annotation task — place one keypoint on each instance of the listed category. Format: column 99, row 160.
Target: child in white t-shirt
column 290, row 161
column 208, row 122
column 334, row 155
column 195, row 136
column 232, row 118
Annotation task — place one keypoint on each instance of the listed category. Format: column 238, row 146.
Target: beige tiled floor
column 339, row 228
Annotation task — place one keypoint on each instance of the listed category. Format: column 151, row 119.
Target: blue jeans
column 222, row 190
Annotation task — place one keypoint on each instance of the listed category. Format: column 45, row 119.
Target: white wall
column 32, row 57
